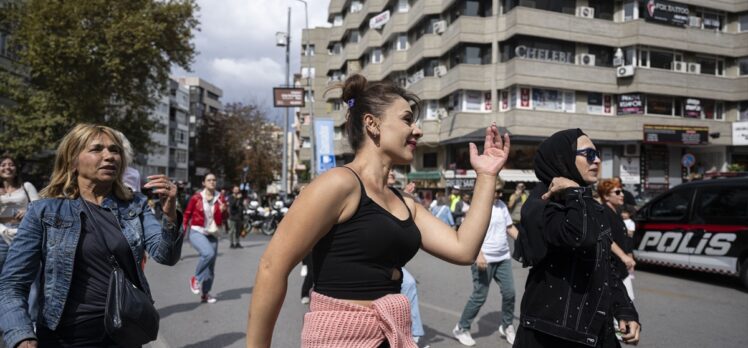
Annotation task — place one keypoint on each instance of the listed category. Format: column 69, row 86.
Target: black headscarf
column 556, row 157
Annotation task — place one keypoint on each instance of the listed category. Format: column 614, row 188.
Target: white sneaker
column 507, row 333
column 305, row 300
column 463, row 336
column 304, row 270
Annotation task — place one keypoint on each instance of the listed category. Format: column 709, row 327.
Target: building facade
column 204, row 99
column 648, row 81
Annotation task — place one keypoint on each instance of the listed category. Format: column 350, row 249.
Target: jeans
column 207, row 247
column 501, row 272
column 234, row 226
column 33, row 301
column 408, row 288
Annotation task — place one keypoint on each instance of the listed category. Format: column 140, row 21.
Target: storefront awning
column 427, row 175
column 518, row 175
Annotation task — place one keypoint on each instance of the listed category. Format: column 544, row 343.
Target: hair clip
column 351, row 102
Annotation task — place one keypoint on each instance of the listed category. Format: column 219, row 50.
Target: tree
column 99, row 61
column 240, row 137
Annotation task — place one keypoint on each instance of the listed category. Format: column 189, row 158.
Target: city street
column 677, row 309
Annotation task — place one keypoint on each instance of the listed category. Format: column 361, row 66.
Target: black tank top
column 358, row 258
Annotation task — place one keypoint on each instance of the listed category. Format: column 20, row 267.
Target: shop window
column 430, row 160
column 598, row 103
column 659, row 105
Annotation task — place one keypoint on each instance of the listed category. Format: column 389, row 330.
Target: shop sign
column 667, row 12
column 667, row 134
column 523, row 51
column 630, row 104
column 630, row 170
column 463, row 179
column 379, row 20
column 524, row 94
column 693, row 108
column 740, row 133
column 288, row 97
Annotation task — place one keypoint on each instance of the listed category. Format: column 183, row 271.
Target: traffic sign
column 688, row 160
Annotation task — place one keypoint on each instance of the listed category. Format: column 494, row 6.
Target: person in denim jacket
column 58, row 231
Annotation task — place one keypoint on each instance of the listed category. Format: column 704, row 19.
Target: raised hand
column 495, row 152
column 167, row 193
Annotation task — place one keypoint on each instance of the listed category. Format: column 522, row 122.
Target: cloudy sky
column 236, row 45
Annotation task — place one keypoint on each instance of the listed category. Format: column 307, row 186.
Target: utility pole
column 284, row 174
column 311, row 95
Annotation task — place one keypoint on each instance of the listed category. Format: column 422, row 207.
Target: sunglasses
column 589, row 153
column 618, row 192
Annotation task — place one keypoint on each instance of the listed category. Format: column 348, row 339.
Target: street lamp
column 310, row 90
column 284, row 40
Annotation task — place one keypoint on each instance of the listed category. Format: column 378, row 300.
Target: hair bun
column 353, row 87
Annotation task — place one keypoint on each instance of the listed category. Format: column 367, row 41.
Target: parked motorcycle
column 274, row 217
column 254, row 216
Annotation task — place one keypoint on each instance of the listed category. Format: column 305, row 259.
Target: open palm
column 495, row 152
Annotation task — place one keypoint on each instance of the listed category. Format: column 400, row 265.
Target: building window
column 307, row 72
column 306, row 143
column 403, row 5
column 743, row 111
column 337, row 105
column 527, row 47
column 353, row 37
column 402, row 42
column 307, row 50
column 552, row 100
column 562, row 6
column 470, row 54
column 335, row 48
column 603, row 55
column 659, row 105
column 711, row 65
column 375, row 56
column 213, row 96
column 308, row 97
column 432, row 109
column 743, row 22
column 337, row 133
column 430, row 160
column 356, row 6
column 337, row 20
column 743, row 66
column 630, row 10
column 709, row 20
column 604, row 9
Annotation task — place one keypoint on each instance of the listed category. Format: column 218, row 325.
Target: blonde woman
column 86, row 216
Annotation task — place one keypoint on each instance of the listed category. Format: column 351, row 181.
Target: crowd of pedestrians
column 354, row 229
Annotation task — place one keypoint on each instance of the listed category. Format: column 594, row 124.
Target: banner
column 324, row 132
column 740, row 133
column 667, row 134
column 379, row 20
column 630, row 104
column 666, row 12
column 288, row 97
column 693, row 108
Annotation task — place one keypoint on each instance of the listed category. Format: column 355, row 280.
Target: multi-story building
column 168, row 154
column 205, row 99
column 649, row 81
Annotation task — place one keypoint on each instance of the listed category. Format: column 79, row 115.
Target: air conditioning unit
column 586, row 59
column 680, row 66
column 586, row 12
column 440, row 26
column 440, row 70
column 631, row 150
column 625, row 71
column 694, row 68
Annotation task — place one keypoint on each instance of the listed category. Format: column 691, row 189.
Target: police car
column 701, row 226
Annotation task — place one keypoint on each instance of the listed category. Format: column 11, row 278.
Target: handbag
column 130, row 319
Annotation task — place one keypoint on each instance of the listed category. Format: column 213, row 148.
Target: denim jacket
column 49, row 234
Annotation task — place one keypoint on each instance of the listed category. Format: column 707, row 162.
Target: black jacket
column 572, row 293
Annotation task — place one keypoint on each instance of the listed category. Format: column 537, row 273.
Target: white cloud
column 236, row 44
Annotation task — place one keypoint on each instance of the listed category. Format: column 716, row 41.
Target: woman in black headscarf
column 570, row 295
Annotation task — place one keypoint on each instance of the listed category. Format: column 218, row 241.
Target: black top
column 360, row 259
column 236, row 208
column 91, row 270
column 620, row 236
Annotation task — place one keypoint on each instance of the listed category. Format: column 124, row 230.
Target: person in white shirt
column 494, row 262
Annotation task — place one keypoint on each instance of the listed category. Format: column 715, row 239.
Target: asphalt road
column 677, row 308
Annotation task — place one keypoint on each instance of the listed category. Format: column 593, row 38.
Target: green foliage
column 240, row 137
column 100, row 61
column 735, row 167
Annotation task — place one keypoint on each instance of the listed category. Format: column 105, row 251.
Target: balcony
column 466, row 76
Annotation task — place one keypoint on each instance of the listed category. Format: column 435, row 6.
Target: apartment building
column 204, row 99
column 649, row 81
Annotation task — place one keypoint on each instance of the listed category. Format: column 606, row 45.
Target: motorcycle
column 274, row 217
column 254, row 216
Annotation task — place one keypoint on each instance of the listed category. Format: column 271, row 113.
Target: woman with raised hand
column 361, row 232
column 87, row 221
column 571, row 294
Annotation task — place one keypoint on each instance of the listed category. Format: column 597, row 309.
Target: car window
column 722, row 204
column 672, row 206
